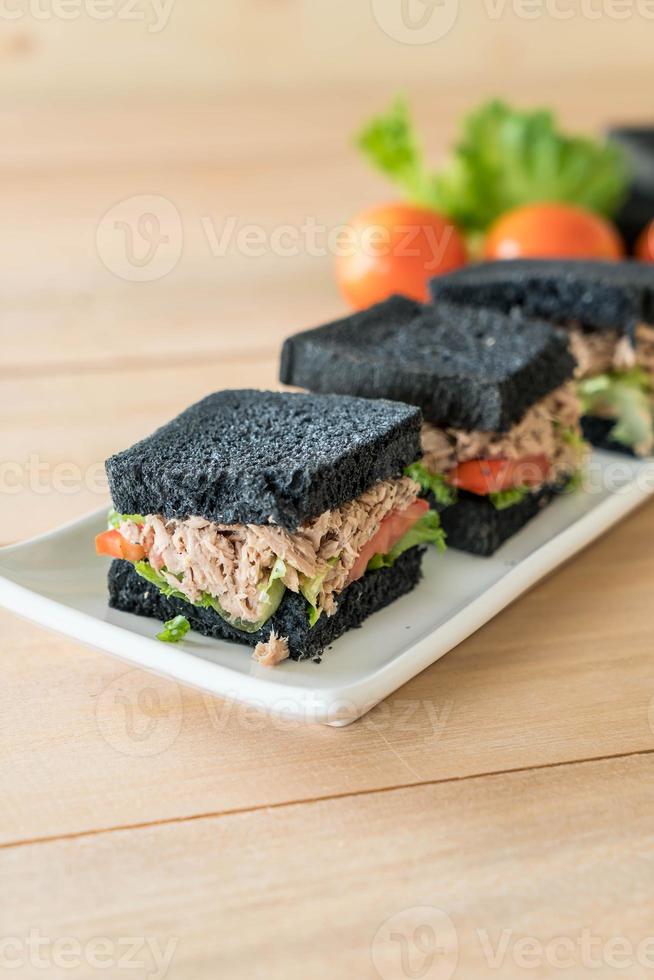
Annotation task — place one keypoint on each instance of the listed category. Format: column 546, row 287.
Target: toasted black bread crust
column 598, row 295
column 596, row 431
column 249, row 457
column 475, row 526
column 467, row 368
column 131, row 593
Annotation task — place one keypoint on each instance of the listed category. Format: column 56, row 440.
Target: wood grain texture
column 304, row 890
column 205, row 49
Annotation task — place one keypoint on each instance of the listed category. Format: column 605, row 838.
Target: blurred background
column 171, row 171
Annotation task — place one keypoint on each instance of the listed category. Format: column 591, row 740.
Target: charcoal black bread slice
column 637, row 144
column 598, row 295
column 635, row 213
column 254, row 456
column 466, row 368
column 131, row 593
column 474, row 525
column 597, row 431
column 333, row 357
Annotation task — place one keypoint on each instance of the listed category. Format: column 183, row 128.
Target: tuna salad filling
column 242, row 571
column 545, row 447
column 616, row 381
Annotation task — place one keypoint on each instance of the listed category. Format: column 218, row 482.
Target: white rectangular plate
column 57, row 581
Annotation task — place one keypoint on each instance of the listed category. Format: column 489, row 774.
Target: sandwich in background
column 501, row 428
column 637, row 210
column 272, row 519
column 608, row 311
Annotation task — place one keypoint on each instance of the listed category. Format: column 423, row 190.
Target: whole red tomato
column 396, row 248
column 558, row 231
column 645, row 244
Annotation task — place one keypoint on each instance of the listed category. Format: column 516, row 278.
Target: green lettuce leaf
column 273, row 590
column 174, row 630
column 627, row 397
column 427, row 530
column 311, row 587
column 146, row 571
column 115, row 519
column 391, row 144
column 575, row 482
column 435, row 483
column 503, row 159
column 573, row 438
column 504, row 499
column 277, row 573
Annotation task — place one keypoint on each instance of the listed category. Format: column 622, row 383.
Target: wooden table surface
column 501, row 801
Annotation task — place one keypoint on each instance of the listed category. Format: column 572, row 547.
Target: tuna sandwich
column 271, row 519
column 607, row 309
column 501, row 433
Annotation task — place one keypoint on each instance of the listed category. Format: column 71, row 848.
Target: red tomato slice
column 382, row 540
column 394, row 526
column 484, row 476
column 112, row 543
column 109, row 543
column 399, row 522
column 416, row 510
